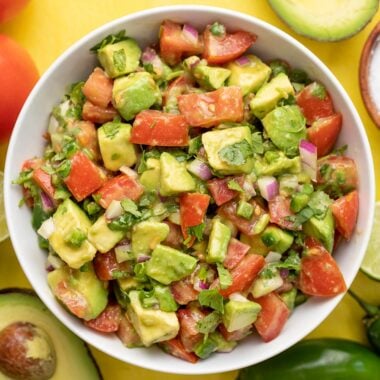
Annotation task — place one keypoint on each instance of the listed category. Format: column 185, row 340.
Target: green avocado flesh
column 326, row 20
column 73, row 357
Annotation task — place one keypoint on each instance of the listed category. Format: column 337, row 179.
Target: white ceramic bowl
column 76, row 64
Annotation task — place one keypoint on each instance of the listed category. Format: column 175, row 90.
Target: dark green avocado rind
column 309, row 25
column 74, row 357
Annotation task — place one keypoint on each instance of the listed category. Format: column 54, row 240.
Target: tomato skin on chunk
column 279, row 210
column 222, row 49
column 315, row 102
column 157, row 128
column 84, row 177
column 212, row 108
column 98, row 88
column 345, row 210
column 183, row 291
column 320, row 275
column 188, row 332
column 96, row 114
column 324, row 132
column 43, row 181
column 235, row 253
column 272, row 317
column 176, row 348
column 119, row 188
column 220, row 191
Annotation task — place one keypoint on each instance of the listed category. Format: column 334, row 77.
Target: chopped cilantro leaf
column 257, row 143
column 211, row 298
column 129, row 206
column 197, row 231
column 109, row 40
column 236, row 154
column 319, row 91
column 217, row 29
column 209, row 323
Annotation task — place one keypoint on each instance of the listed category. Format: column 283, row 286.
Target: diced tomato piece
column 178, row 86
column 188, row 332
column 272, row 317
column 86, row 136
column 324, row 132
column 106, row 263
column 243, row 274
column 108, row 320
column 345, row 211
column 98, row 88
column 222, row 49
column 119, row 188
column 183, row 291
column 220, row 191
column 337, row 174
column 236, row 335
column 192, row 208
column 43, row 181
column 96, row 114
column 158, row 128
column 32, row 163
column 235, row 253
column 212, row 108
column 279, row 210
column 228, row 210
column 320, row 275
column 127, row 333
column 75, row 301
column 315, row 102
column 175, row 238
column 175, row 347
column 84, row 177
column 174, row 43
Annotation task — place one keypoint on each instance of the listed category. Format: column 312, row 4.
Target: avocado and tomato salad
column 189, row 193
column 34, row 345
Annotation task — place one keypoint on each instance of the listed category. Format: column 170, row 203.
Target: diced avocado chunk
column 286, row 126
column 168, row 264
column 120, row 58
column 165, row 298
column 299, row 201
column 102, row 237
column 322, row 229
column 211, row 78
column 265, row 285
column 280, row 165
column 222, row 344
column 270, row 94
column 256, row 244
column 244, row 209
column 134, row 93
column 239, row 314
column 71, row 221
column 218, row 242
column 151, row 325
column 250, row 76
column 206, row 347
column 230, row 138
column 277, row 239
column 174, row 177
column 80, row 287
column 115, row 148
column 146, row 235
column 289, row 298
column 150, row 178
column 128, row 283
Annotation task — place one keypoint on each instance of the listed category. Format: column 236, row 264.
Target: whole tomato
column 9, row 8
column 18, row 75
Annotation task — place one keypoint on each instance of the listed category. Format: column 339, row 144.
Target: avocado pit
column 26, row 352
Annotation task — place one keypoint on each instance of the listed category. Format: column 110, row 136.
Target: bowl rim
column 162, row 10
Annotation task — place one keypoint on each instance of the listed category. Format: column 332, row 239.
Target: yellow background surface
column 47, row 27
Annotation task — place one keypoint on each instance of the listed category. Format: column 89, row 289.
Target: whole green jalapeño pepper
column 371, row 321
column 318, row 359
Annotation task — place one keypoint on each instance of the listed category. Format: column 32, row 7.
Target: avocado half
column 326, row 20
column 73, row 358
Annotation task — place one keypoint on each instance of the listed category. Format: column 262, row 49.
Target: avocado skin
column 73, row 354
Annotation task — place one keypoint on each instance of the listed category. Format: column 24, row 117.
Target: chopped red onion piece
column 284, row 273
column 50, row 268
column 200, row 169
column 47, row 202
column 148, row 55
column 308, row 153
column 237, row 297
column 190, row 33
column 128, row 171
column 142, row 258
column 47, row 228
column 268, row 187
column 243, row 61
column 114, row 210
column 200, row 285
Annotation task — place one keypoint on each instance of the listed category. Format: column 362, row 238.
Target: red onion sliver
column 308, row 146
column 243, row 61
column 47, row 203
column 148, row 55
column 308, row 153
column 284, row 273
column 268, row 187
column 142, row 258
column 128, row 171
column 190, row 33
column 200, row 169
